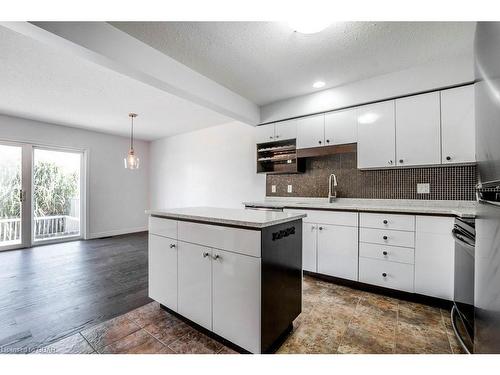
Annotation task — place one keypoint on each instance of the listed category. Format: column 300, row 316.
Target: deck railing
column 45, row 227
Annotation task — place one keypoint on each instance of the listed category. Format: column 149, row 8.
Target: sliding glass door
column 41, row 195
column 11, row 196
column 56, row 194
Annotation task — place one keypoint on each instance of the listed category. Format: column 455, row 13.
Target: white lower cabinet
column 236, row 298
column 434, row 257
column 387, row 274
column 309, row 247
column 338, row 251
column 195, row 283
column 162, row 270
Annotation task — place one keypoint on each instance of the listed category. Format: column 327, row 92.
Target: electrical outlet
column 289, row 189
column 423, row 188
column 273, row 188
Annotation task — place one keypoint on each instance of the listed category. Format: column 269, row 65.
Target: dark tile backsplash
column 446, row 182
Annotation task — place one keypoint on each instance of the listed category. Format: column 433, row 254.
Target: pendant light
column 132, row 160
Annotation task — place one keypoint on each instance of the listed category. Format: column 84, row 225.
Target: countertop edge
column 221, row 221
column 454, row 212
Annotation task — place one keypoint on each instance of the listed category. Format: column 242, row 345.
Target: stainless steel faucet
column 332, row 188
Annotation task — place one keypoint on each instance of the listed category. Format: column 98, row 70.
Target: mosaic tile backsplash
column 446, row 182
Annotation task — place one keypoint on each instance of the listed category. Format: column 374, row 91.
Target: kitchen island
column 236, row 273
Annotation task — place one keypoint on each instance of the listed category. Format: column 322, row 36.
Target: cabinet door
column 236, row 298
column 457, row 125
column 311, row 131
column 195, row 283
column 418, row 130
column 338, row 251
column 341, row 127
column 434, row 257
column 376, row 135
column 309, row 247
column 286, row 130
column 162, row 270
column 265, row 133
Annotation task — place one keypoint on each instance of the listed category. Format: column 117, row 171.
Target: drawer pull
column 385, row 221
column 320, row 228
column 384, row 252
column 385, row 238
column 216, row 256
column 205, row 255
column 172, row 245
column 384, row 274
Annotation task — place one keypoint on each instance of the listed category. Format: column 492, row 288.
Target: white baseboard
column 116, row 232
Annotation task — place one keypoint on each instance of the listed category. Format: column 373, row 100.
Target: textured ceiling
column 41, row 83
column 267, row 61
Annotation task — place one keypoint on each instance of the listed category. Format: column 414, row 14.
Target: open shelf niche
column 279, row 157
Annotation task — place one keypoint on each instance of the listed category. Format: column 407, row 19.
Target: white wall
column 117, row 196
column 431, row 76
column 209, row 167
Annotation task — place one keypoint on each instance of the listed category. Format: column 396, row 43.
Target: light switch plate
column 273, row 188
column 423, row 188
column 289, row 188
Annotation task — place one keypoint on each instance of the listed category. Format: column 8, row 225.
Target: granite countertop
column 227, row 216
column 463, row 209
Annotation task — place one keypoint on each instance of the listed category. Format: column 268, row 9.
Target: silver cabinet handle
column 205, row 255
column 216, row 256
column 172, row 245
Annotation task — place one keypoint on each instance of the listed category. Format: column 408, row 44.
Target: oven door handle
column 459, row 238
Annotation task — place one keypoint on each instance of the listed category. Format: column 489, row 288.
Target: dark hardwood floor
column 49, row 292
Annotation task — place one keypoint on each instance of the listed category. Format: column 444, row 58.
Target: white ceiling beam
column 107, row 46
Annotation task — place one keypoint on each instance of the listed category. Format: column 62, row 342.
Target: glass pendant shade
column 131, row 160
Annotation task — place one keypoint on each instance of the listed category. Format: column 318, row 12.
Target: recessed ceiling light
column 318, row 84
column 308, row 26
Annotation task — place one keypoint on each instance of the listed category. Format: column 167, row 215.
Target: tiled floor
column 335, row 319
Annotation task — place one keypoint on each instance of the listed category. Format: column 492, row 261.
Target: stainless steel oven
column 462, row 313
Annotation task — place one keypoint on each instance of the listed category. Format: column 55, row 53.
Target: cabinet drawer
column 163, row 227
column 387, row 274
column 328, row 217
column 388, row 253
column 241, row 241
column 387, row 237
column 387, row 221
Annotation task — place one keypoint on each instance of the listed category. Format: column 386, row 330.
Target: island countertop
column 227, row 216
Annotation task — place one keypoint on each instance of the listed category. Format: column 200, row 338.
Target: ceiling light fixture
column 131, row 160
column 318, row 84
column 308, row 26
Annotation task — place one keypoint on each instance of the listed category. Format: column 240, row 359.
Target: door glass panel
column 10, row 190
column 56, row 194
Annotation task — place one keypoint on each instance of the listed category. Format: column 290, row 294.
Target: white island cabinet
column 236, row 273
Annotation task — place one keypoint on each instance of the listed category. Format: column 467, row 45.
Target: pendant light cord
column 132, row 134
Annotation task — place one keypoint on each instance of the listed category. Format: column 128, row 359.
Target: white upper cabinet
column 311, row 131
column 418, row 130
column 457, row 125
column 265, row 133
column 285, row 130
column 277, row 132
column 341, row 127
column 376, row 135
